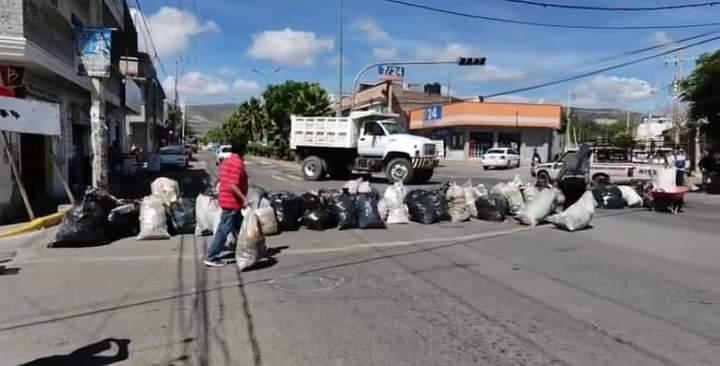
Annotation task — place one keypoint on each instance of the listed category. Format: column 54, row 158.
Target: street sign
column 433, row 113
column 94, row 46
column 391, row 72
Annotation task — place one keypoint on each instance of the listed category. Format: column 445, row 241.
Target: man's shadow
column 88, row 355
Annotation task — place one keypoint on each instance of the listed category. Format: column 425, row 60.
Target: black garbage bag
column 344, row 211
column 494, row 207
column 609, row 197
column 182, row 216
column 367, row 212
column 84, row 224
column 421, row 207
column 310, row 201
column 319, row 219
column 328, row 197
column 124, row 221
column 103, row 198
column 288, row 210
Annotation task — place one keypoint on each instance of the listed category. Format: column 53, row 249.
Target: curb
column 37, row 224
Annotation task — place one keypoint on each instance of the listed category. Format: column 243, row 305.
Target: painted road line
column 278, row 177
column 293, row 177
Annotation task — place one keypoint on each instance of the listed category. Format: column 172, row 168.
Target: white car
column 222, row 153
column 500, row 157
column 174, row 157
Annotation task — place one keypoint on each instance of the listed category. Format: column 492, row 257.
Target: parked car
column 222, row 153
column 174, row 156
column 500, row 157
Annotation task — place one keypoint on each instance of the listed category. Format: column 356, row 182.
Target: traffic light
column 470, row 61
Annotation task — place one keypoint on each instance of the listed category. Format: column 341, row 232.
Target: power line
column 152, row 42
column 549, row 25
column 603, row 8
column 601, row 70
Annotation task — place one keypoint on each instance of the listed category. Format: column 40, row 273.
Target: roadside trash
column 529, row 192
column 318, row 219
column 512, row 195
column 82, row 225
column 665, row 179
column 344, row 210
column 352, row 186
column 367, row 212
column 364, row 187
column 630, row 196
column 538, row 209
column 492, row 207
column 268, row 221
column 153, row 219
column 183, row 216
column 426, row 207
column 382, row 209
column 251, row 242
column 168, row 190
column 310, row 202
column 255, row 196
column 609, row 197
column 577, row 216
column 207, row 211
column 394, row 204
column 288, row 210
column 457, row 208
column 124, row 221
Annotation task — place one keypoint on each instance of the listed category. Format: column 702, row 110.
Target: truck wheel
column 399, row 170
column 313, row 168
column 423, row 176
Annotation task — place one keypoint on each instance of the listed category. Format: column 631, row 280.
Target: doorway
column 32, row 157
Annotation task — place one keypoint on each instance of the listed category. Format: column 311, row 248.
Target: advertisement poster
column 94, row 45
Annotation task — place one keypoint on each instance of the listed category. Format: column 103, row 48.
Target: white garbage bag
column 512, row 194
column 529, row 192
column 394, row 201
column 665, row 179
column 153, row 219
column 268, row 221
column 353, row 185
column 168, row 190
column 382, row 209
column 364, row 187
column 471, row 194
column 630, row 196
column 578, row 215
column 207, row 212
column 537, row 210
column 251, row 241
column 457, row 207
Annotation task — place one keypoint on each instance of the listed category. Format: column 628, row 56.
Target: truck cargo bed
column 323, row 132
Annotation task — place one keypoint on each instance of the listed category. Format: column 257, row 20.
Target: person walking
column 680, row 161
column 536, row 160
column 232, row 197
column 573, row 176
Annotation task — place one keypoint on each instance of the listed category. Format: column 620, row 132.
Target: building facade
column 468, row 129
column 38, row 37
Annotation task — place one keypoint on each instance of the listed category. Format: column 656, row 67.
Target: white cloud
column 194, row 86
column 491, row 73
column 660, row 38
column 172, row 30
column 226, row 72
column 512, row 98
column 450, row 52
column 385, row 53
column 372, row 30
column 603, row 91
column 289, row 47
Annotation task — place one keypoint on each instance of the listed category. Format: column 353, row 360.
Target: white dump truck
column 366, row 142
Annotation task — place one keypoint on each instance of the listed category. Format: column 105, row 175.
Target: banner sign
column 94, row 45
column 29, row 116
column 11, row 76
column 390, row 72
column 433, row 113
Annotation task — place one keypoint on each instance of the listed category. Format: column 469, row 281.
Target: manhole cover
column 306, row 283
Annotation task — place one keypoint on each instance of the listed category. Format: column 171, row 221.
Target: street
column 638, row 288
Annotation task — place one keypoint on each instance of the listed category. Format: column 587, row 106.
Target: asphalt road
column 638, row 288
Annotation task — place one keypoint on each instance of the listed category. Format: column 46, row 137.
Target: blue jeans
column 230, row 222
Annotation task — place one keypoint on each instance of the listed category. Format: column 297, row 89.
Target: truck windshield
column 393, row 128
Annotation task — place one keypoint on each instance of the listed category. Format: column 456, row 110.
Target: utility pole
column 98, row 127
column 627, row 121
column 340, row 60
column 568, row 117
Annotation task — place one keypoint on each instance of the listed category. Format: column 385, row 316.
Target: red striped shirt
column 232, row 173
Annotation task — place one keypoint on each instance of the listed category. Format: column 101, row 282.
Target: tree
column 702, row 91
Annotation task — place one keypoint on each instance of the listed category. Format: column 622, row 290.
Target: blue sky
column 220, row 41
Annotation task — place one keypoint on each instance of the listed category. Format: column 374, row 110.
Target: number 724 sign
column 390, row 72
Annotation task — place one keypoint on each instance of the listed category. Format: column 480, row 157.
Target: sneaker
column 214, row 263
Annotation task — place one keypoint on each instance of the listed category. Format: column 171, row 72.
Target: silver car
column 174, row 157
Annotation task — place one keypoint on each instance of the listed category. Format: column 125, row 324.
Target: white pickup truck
column 365, row 142
column 606, row 165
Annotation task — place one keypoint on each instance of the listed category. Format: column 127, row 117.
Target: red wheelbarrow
column 668, row 201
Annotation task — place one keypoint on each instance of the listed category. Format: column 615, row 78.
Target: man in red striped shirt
column 232, row 198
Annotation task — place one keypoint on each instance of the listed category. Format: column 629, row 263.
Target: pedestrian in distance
column 536, row 160
column 680, row 161
column 573, row 176
column 232, row 197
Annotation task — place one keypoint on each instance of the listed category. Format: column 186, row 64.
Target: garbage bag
column 577, row 216
column 251, row 241
column 630, row 196
column 103, row 198
column 394, row 210
column 288, row 210
column 183, row 216
column 168, row 190
column 492, row 207
column 367, row 212
column 512, row 195
column 352, row 186
column 537, row 210
column 207, row 212
column 268, row 221
column 666, row 179
column 153, row 219
column 318, row 219
column 426, row 207
column 529, row 192
column 84, row 224
column 124, row 221
column 310, row 201
column 609, row 197
column 457, row 207
column 255, row 195
column 364, row 187
column 382, row 209
column 344, row 211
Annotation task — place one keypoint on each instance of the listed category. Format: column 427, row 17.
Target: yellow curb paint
column 37, row 224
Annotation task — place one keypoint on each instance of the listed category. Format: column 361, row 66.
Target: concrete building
column 468, row 129
column 38, row 37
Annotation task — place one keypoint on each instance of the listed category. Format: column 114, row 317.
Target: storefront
column 468, row 129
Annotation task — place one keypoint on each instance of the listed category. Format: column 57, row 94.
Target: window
column 457, row 141
column 393, row 128
column 373, row 129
